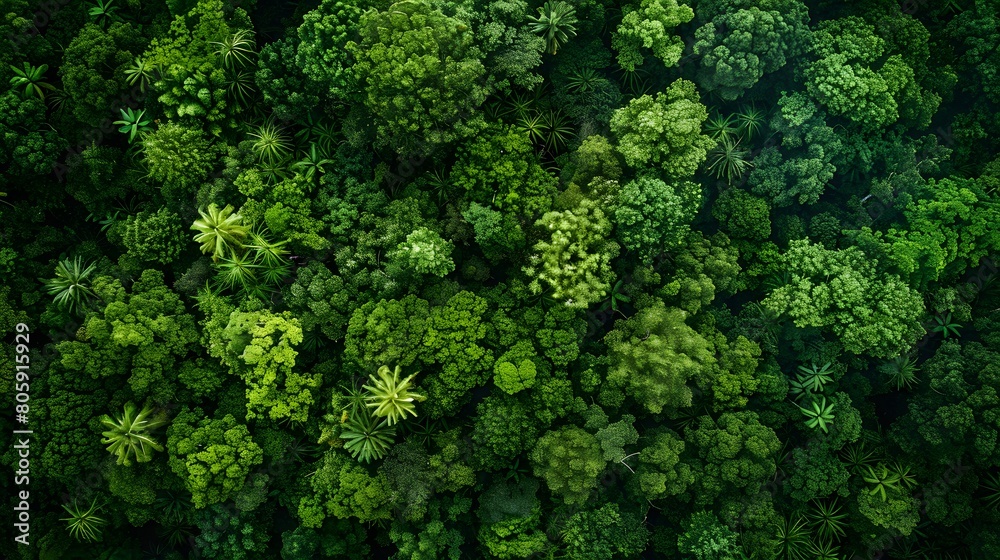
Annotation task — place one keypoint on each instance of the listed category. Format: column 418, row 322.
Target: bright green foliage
column 513, row 50
column 84, row 524
column 259, row 347
column 594, row 158
column 212, row 456
column 141, row 335
column 841, row 290
column 424, row 252
column 129, row 434
column 179, row 157
column 500, row 168
column 419, row 70
column 854, row 76
column 706, row 538
column 71, row 286
column 737, row 453
column 575, row 262
column 512, row 378
column 220, row 231
column 819, row 414
column 157, row 237
column 555, row 23
column 341, row 488
column 30, row 77
column 949, row 225
column 659, row 471
column 133, row 123
column 321, row 54
column 192, row 76
column 652, row 216
column 606, row 533
column 738, row 48
column 498, row 234
column 454, row 350
column 653, row 356
column 900, row 512
column 387, row 332
column 391, row 397
column 665, row 131
column 736, row 378
column 288, row 209
column 569, row 460
column 649, row 26
column 614, row 437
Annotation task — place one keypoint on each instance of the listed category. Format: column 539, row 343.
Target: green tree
column 652, row 216
column 737, row 453
column 653, row 356
column 419, row 70
column 424, row 252
column 706, row 538
column 649, row 26
column 576, row 260
column 737, row 48
column 259, row 347
column 556, row 22
column 659, row 470
column 664, row 131
column 569, row 460
column 71, row 285
column 841, row 290
column 179, row 157
column 390, row 397
column 154, row 236
column 605, row 533
column 212, row 456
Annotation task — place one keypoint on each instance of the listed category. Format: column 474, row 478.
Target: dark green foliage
column 421, row 279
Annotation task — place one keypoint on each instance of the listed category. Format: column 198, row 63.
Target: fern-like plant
column 237, row 50
column 815, row 378
column 133, row 123
column 367, row 437
column 129, row 435
column 221, row 232
column 820, row 415
column 84, row 524
column 828, row 519
column 727, row 160
column 30, row 77
column 71, row 286
column 391, row 397
column 270, row 144
column 901, row 372
column 881, row 479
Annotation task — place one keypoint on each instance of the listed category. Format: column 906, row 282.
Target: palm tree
column 31, row 78
column 221, row 231
column 367, row 437
column 793, row 539
column 991, row 490
column 582, row 80
column 820, row 415
column 827, row 519
column 239, row 85
column 749, row 119
column 857, row 456
column 103, row 12
column 391, row 397
column 271, row 258
column 139, row 72
column 727, row 160
column 881, row 479
column 945, row 326
column 270, row 143
column 85, row 524
column 313, row 161
column 901, row 372
column 129, row 435
column 718, row 126
column 238, row 274
column 813, row 378
column 236, row 50
column 555, row 22
column 70, row 286
column 133, row 123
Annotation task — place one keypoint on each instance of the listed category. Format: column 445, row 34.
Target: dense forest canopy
column 448, row 279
